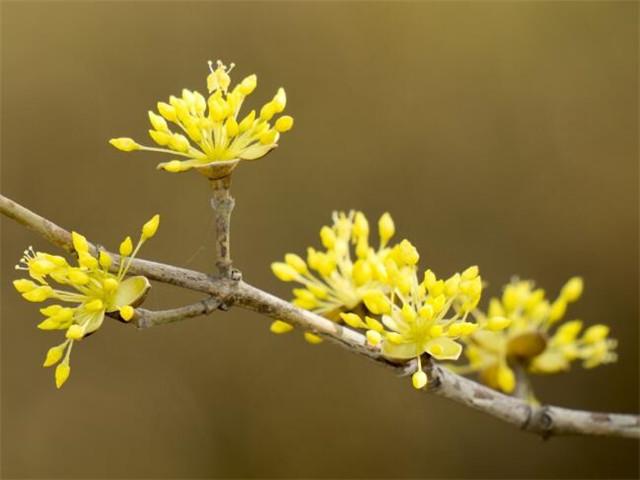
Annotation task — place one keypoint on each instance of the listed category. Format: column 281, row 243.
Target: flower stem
column 222, row 203
column 524, row 389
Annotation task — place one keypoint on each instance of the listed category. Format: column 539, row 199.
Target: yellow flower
column 418, row 317
column 521, row 321
column 92, row 291
column 210, row 136
column 337, row 279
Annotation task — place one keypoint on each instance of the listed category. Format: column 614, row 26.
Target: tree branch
column 543, row 420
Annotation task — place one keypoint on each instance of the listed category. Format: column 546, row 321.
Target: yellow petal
column 130, row 291
column 443, row 348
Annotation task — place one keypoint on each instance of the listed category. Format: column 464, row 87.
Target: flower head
column 210, row 136
column 335, row 280
column 92, row 291
column 534, row 336
column 416, row 317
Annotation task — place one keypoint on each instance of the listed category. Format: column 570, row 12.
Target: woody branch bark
column 543, row 420
column 222, row 203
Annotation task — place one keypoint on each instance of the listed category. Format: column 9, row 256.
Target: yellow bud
column 62, row 374
column 78, row 277
column 75, row 332
column 572, row 290
column 408, row 253
column 23, row 285
column 373, row 324
column 126, row 247
column 376, row 302
column 54, row 355
column 437, row 303
column 248, row 84
column 161, row 138
column 312, row 338
column 48, row 324
column 150, row 228
column 232, row 127
column 86, row 260
column 179, row 143
column 268, row 137
column 279, row 100
column 470, row 273
column 110, row 284
column 157, row 122
column 167, row 111
column 327, row 237
column 506, row 379
column 373, row 337
column 498, row 323
column 247, row 121
column 105, row 260
column 284, row 272
column 408, row 313
column 362, row 272
column 436, row 331
column 319, row 291
column 386, row 228
column 394, row 337
column 454, row 330
column 125, row 144
column 452, row 285
column 127, row 312
column 94, row 305
column 436, row 288
column 353, row 320
column 558, row 309
column 429, row 278
column 426, row 312
column 296, row 262
column 174, row 166
column 80, row 243
column 595, row 333
column 467, row 328
column 51, row 310
column 280, row 327
column 284, row 124
column 419, row 380
column 267, row 111
column 38, row 294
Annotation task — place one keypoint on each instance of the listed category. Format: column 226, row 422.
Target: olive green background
column 499, row 134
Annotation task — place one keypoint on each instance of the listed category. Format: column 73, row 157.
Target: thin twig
column 222, row 203
column 144, row 318
column 543, row 420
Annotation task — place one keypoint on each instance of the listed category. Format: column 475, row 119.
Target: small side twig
column 144, row 318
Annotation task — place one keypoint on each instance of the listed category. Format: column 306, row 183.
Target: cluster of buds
column 380, row 292
column 335, row 280
column 92, row 291
column 210, row 136
column 536, row 338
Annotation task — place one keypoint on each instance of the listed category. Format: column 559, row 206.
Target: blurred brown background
column 502, row 134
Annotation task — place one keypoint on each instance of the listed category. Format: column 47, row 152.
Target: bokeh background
column 501, row 134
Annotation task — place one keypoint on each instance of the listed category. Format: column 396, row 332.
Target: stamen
column 210, row 66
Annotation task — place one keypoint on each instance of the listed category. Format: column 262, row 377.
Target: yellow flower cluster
column 380, row 292
column 96, row 292
column 416, row 317
column 335, row 280
column 212, row 125
column 528, row 340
